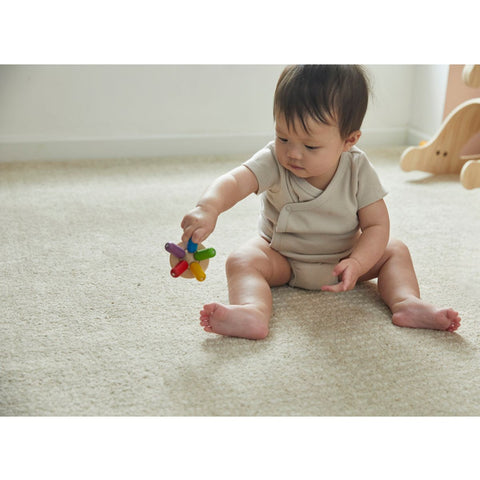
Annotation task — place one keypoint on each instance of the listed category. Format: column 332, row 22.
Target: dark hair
column 325, row 93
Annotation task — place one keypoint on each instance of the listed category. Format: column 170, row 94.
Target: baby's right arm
column 220, row 196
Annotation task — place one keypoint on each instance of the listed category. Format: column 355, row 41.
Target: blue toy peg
column 191, row 246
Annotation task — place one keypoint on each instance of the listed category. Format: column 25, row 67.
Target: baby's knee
column 397, row 248
column 244, row 260
column 237, row 261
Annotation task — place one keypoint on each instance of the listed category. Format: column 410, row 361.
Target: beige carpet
column 91, row 322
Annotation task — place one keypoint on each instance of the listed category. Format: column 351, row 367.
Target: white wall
column 68, row 111
column 387, row 116
column 428, row 102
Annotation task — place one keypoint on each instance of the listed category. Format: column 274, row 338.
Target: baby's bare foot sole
column 234, row 320
column 415, row 313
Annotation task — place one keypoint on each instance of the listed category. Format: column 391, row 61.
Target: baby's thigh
column 257, row 255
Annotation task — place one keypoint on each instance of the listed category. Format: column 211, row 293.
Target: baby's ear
column 351, row 140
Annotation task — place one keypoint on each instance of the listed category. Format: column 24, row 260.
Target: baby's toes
column 452, row 315
column 204, row 319
column 204, row 323
column 208, row 309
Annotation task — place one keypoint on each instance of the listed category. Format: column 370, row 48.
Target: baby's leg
column 251, row 271
column 398, row 286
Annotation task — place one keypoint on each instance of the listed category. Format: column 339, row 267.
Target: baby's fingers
column 339, row 287
column 347, row 281
column 189, row 228
column 187, row 220
column 340, row 268
column 190, row 233
column 199, row 235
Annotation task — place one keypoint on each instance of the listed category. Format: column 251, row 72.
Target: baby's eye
column 311, row 148
column 283, row 140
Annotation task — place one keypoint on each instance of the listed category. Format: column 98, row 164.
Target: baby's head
column 328, row 94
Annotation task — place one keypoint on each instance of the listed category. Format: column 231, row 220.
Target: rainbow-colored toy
column 189, row 263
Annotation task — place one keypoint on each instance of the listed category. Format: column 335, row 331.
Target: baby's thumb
column 339, row 268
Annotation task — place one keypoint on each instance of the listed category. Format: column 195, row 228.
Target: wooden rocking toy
column 443, row 153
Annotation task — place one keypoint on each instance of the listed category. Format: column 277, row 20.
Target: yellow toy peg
column 197, row 270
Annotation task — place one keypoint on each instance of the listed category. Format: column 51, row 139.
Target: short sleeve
column 265, row 167
column 370, row 188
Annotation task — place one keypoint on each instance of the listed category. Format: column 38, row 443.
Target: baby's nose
column 294, row 153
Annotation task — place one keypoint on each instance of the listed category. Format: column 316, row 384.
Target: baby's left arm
column 370, row 246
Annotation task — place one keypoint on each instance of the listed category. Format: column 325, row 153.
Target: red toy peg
column 179, row 268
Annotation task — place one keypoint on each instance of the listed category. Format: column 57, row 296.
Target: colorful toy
column 190, row 262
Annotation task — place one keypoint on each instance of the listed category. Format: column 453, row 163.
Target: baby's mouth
column 296, row 167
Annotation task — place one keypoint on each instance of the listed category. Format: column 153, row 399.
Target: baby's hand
column 198, row 224
column 348, row 270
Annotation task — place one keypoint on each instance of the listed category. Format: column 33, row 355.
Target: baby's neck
column 322, row 181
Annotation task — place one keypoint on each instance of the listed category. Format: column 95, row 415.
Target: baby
column 324, row 224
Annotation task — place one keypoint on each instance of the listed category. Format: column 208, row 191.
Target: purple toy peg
column 174, row 249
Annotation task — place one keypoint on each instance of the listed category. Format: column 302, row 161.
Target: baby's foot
column 415, row 313
column 234, row 321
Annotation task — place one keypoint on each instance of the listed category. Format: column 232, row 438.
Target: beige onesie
column 313, row 229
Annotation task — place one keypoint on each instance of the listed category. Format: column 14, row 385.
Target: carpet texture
column 92, row 323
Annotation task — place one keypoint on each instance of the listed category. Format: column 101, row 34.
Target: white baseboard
column 43, row 148
column 38, row 149
column 414, row 136
column 377, row 137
